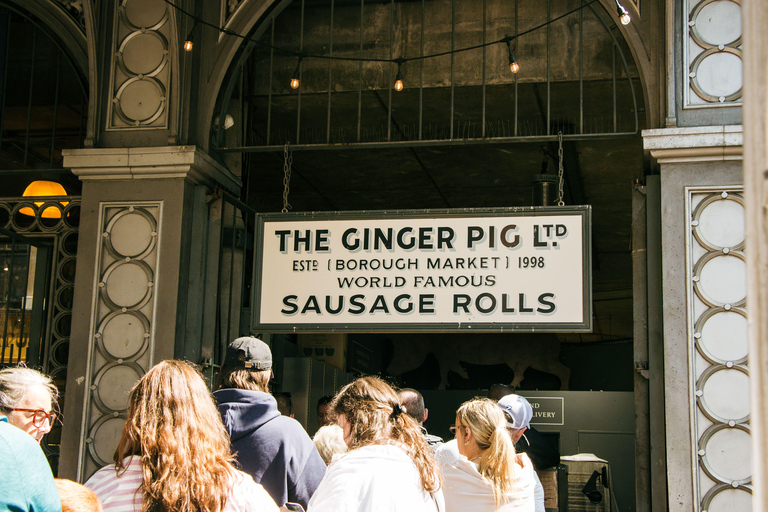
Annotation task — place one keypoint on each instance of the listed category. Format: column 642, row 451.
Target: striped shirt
column 122, row 493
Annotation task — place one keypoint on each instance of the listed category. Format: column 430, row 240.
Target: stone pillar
column 138, row 233
column 706, row 354
column 754, row 21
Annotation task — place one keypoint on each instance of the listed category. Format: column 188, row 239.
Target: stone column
column 138, row 233
column 705, row 312
column 754, row 21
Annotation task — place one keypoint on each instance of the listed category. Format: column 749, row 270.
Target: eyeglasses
column 40, row 417
column 454, row 428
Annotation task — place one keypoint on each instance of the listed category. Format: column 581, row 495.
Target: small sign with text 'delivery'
column 547, row 410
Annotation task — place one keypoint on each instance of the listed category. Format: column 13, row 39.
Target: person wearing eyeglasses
column 27, row 398
column 481, row 471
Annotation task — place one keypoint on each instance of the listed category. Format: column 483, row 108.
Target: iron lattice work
column 38, row 296
column 574, row 77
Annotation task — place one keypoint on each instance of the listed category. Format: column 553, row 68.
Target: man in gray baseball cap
column 274, row 449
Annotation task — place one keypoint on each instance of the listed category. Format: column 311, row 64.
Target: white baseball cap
column 518, row 411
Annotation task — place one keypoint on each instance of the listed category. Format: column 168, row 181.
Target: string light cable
column 514, row 66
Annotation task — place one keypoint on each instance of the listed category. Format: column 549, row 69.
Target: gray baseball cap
column 249, row 352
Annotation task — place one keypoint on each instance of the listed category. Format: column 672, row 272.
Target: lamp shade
column 42, row 188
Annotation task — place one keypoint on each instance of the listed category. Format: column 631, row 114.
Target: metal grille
column 228, row 275
column 43, row 102
column 460, row 97
column 37, row 279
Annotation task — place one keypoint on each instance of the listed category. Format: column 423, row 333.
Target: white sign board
column 485, row 270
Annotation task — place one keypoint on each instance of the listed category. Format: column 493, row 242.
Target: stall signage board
column 547, row 410
column 488, row 270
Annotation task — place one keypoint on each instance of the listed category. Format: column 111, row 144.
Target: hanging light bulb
column 399, row 86
column 622, row 13
column 296, row 80
column 188, row 42
column 514, row 67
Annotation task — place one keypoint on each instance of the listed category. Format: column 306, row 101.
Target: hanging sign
column 491, row 270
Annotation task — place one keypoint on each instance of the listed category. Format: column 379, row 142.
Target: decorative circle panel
column 102, row 438
column 145, row 13
column 725, row 394
column 728, row 454
column 730, row 500
column 724, row 337
column 141, row 99
column 720, row 223
column 124, row 335
column 722, row 279
column 718, row 74
column 143, row 53
column 128, row 284
column 113, row 384
column 131, row 234
column 718, row 22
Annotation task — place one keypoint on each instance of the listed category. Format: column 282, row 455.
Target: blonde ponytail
column 488, row 426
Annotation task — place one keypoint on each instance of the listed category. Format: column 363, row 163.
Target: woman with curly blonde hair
column 174, row 453
column 388, row 466
column 481, row 471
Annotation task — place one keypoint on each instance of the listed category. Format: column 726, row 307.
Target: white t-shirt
column 464, row 488
column 122, row 493
column 374, row 478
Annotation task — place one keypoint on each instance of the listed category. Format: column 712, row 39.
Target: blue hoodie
column 275, row 450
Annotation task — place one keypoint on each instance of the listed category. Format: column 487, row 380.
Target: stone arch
column 252, row 15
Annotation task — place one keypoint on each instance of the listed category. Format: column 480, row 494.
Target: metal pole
column 421, row 71
column 581, row 68
column 549, row 82
column 31, row 89
column 269, row 86
column 391, row 55
column 55, row 109
column 484, row 70
column 453, row 60
column 517, row 45
column 613, row 78
column 301, row 48
column 330, row 77
column 360, row 73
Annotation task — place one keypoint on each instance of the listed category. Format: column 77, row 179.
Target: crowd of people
column 183, row 448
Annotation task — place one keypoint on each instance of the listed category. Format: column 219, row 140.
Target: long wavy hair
column 376, row 416
column 488, row 425
column 174, row 428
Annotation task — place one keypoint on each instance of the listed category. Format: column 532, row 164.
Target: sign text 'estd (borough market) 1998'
column 496, row 269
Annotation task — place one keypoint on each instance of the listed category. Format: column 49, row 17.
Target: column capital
column 695, row 144
column 187, row 162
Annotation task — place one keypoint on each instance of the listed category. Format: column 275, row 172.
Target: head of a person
column 28, row 400
column 76, row 497
column 175, row 429
column 497, row 391
column 324, row 411
column 329, row 440
column 414, row 404
column 369, row 412
column 482, row 437
column 284, row 403
column 518, row 414
column 247, row 365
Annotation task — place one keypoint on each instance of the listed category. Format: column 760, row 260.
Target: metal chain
column 288, row 156
column 560, row 201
